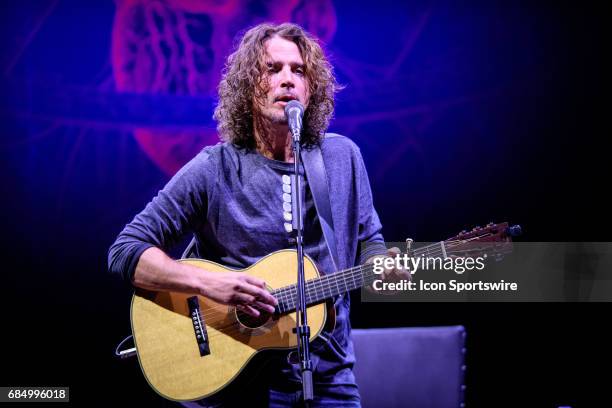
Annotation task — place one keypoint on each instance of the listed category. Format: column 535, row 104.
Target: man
column 230, row 197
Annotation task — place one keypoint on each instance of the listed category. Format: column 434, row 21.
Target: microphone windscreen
column 294, row 104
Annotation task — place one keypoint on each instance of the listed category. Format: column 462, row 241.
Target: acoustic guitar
column 190, row 347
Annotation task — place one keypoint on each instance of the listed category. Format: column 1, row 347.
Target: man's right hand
column 156, row 271
column 246, row 292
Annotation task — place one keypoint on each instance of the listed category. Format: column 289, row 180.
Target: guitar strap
column 312, row 159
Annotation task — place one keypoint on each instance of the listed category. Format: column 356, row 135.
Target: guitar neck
column 328, row 286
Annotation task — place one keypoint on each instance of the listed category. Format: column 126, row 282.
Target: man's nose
column 286, row 77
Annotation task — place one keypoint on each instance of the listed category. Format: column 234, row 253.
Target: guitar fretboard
column 328, row 286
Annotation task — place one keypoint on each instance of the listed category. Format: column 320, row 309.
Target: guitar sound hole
column 253, row 322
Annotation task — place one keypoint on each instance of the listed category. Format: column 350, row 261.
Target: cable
column 127, row 352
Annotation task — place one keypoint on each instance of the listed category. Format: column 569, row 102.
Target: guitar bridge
column 201, row 335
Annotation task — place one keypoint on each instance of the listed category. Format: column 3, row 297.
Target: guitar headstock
column 501, row 232
column 493, row 240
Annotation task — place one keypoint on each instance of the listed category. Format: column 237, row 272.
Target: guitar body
column 169, row 355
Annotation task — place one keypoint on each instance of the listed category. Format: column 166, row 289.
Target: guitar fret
column 345, row 285
column 349, row 281
column 337, row 287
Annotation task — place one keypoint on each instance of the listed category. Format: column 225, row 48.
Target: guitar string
column 325, row 283
column 235, row 327
column 361, row 269
column 313, row 287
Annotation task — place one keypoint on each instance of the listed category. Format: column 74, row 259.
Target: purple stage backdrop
column 465, row 114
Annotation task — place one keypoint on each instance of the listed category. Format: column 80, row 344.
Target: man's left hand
column 393, row 274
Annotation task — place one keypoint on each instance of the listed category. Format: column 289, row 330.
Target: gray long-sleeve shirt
column 231, row 199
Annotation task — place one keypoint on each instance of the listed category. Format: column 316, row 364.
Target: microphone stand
column 302, row 329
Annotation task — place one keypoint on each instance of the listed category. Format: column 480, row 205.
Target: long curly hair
column 244, row 80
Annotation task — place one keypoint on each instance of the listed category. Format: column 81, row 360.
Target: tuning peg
column 409, row 242
column 514, row 231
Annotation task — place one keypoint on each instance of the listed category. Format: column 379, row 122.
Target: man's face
column 286, row 79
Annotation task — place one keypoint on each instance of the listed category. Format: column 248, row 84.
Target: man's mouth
column 285, row 98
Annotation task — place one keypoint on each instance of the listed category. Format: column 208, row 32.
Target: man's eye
column 299, row 71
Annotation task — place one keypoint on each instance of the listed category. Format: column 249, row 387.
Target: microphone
column 294, row 112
